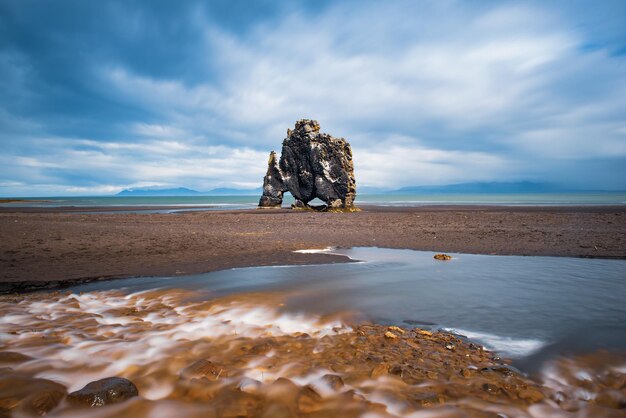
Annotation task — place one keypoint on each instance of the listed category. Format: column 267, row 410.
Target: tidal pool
column 515, row 305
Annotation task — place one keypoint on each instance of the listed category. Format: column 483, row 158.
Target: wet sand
column 47, row 248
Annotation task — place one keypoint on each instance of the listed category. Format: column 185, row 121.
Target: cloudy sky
column 98, row 96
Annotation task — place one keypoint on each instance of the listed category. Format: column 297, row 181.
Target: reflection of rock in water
column 236, row 357
column 312, row 165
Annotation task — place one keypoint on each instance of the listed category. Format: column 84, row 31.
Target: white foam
column 513, row 347
column 326, row 250
column 120, row 341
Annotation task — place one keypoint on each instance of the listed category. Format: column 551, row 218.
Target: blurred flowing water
column 522, row 307
column 243, row 342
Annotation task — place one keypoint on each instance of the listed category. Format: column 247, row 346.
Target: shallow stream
column 512, row 304
column 561, row 320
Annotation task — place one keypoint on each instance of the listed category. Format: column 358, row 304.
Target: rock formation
column 273, row 185
column 312, row 165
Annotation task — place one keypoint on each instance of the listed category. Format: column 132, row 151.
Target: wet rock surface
column 13, row 357
column 204, row 369
column 28, row 395
column 273, row 185
column 312, row 165
column 235, row 357
column 103, row 392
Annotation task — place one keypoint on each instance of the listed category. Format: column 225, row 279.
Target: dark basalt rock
column 312, row 165
column 103, row 392
column 273, row 186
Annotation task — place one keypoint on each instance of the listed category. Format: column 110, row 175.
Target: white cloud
column 158, row 131
column 153, row 163
column 427, row 93
column 494, row 72
column 94, row 190
column 402, row 165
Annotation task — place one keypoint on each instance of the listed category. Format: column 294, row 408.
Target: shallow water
column 289, row 341
column 387, row 199
column 512, row 304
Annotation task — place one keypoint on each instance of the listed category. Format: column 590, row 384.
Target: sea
column 251, row 201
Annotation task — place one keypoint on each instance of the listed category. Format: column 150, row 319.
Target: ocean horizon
column 395, row 199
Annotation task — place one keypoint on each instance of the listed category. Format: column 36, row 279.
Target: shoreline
column 47, row 249
column 97, row 209
column 374, row 206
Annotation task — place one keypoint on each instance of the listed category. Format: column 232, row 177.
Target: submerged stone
column 308, row 400
column 203, row 368
column 42, row 402
column 13, row 357
column 28, row 395
column 334, row 381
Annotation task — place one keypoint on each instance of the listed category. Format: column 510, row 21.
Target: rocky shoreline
column 212, row 361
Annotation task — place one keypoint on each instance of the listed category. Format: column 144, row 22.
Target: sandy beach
column 253, row 354
column 47, row 248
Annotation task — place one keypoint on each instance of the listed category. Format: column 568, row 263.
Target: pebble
column 308, row 400
column 203, row 368
column 390, row 335
column 334, row 381
column 396, row 329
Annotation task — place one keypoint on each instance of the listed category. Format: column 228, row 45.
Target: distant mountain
column 183, row 191
column 467, row 188
column 493, row 187
column 180, row 191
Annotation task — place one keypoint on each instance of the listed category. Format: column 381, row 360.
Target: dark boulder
column 312, row 165
column 104, row 392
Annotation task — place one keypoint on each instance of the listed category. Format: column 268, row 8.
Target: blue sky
column 102, row 96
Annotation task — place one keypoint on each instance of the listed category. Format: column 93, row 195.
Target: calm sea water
column 524, row 307
column 246, row 202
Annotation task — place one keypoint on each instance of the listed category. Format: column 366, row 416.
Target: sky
column 100, row 96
